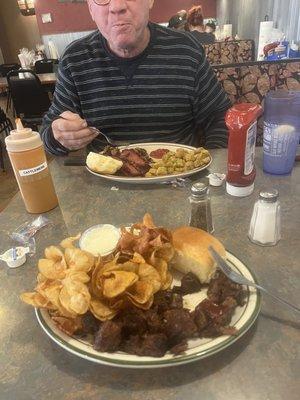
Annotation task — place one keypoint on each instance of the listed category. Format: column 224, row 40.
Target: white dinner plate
column 164, row 178
column 242, row 320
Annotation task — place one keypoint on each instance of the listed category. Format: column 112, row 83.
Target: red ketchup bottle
column 241, row 120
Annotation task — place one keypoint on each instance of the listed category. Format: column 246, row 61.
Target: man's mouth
column 120, row 24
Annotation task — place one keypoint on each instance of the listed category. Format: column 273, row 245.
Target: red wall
column 66, row 17
column 75, row 17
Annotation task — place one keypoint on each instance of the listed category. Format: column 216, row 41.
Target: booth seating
column 250, row 82
column 229, row 52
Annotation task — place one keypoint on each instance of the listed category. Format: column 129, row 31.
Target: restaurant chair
column 29, row 97
column 4, row 70
column 45, row 66
column 5, row 128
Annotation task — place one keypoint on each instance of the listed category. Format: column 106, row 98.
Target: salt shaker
column 201, row 216
column 265, row 222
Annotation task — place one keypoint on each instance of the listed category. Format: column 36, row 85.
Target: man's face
column 122, row 22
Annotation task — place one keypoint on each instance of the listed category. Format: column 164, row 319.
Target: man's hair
column 195, row 16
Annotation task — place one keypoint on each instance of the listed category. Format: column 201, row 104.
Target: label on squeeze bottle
column 32, row 171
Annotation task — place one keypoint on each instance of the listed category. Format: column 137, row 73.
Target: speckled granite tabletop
column 262, row 365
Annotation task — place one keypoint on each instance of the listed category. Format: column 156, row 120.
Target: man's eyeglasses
column 101, row 2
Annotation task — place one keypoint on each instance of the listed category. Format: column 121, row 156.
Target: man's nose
column 118, row 6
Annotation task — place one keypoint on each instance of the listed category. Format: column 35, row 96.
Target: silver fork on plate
column 112, row 142
column 238, row 278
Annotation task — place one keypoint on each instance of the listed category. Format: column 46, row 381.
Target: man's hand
column 71, row 131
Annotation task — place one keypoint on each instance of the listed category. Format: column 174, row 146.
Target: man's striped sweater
column 169, row 93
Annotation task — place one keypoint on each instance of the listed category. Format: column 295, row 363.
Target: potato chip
column 144, row 306
column 140, row 292
column 62, row 312
column 75, row 297
column 147, row 273
column 166, row 252
column 79, row 260
column 68, row 325
column 96, row 289
column 137, row 258
column 54, row 253
column 68, row 242
column 133, row 275
column 148, row 221
column 115, row 283
column 40, row 278
column 79, row 303
column 101, row 310
column 168, row 281
column 79, row 276
column 128, row 266
column 116, row 304
column 143, row 238
column 36, row 300
column 109, row 266
column 162, row 268
column 121, row 257
column 51, row 269
column 101, row 268
column 50, row 290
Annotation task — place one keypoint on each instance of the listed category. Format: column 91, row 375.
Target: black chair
column 45, row 66
column 5, row 127
column 29, row 98
column 4, row 70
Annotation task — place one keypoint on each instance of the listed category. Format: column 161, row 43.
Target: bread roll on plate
column 103, row 164
column 192, row 254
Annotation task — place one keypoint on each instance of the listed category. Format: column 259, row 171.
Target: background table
column 263, row 365
column 46, row 79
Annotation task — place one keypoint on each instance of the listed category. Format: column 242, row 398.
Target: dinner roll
column 192, row 254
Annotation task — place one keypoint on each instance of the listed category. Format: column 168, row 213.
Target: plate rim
column 157, row 363
column 151, row 179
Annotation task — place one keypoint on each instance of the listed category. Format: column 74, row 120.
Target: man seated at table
column 135, row 81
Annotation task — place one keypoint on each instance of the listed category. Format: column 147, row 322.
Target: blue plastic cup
column 281, row 131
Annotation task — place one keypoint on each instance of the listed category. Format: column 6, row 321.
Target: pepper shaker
column 265, row 222
column 201, row 216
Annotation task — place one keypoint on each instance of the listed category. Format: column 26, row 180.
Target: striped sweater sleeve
column 65, row 99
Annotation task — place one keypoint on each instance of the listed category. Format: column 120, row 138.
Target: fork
column 112, row 142
column 237, row 278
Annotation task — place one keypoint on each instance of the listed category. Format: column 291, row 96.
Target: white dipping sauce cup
column 100, row 239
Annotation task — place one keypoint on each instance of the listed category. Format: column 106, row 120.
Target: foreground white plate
column 242, row 319
column 150, row 147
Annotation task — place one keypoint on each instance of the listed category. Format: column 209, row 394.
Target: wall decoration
column 26, row 7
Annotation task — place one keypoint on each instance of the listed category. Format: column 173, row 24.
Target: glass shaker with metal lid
column 265, row 222
column 201, row 216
